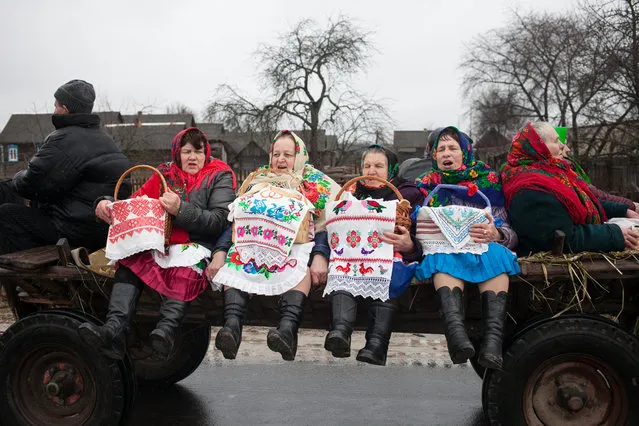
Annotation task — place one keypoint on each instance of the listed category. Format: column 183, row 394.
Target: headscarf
column 530, row 166
column 316, row 186
column 179, row 181
column 362, row 191
column 472, row 174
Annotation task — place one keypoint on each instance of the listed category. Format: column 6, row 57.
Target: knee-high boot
column 172, row 313
column 494, row 310
column 451, row 311
column 284, row 338
column 110, row 337
column 229, row 337
column 344, row 312
column 378, row 333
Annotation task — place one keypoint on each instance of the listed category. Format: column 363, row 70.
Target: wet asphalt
column 313, row 394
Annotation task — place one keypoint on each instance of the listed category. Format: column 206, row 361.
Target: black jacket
column 536, row 215
column 77, row 163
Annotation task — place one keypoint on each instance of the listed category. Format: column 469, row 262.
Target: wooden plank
column 34, row 258
column 50, row 272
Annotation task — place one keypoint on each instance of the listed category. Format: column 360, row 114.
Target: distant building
column 492, row 148
column 410, row 143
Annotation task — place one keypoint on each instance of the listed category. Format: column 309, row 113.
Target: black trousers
column 7, row 195
column 23, row 227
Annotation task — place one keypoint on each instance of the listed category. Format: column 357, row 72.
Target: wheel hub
column 573, row 390
column 63, row 384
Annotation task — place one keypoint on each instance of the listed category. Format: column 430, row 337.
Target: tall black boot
column 344, row 312
column 494, row 310
column 229, row 337
column 110, row 337
column 451, row 311
column 378, row 333
column 163, row 337
column 284, row 339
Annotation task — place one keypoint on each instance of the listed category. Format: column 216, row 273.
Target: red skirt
column 181, row 283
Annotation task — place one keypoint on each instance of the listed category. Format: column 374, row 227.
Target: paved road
column 313, row 394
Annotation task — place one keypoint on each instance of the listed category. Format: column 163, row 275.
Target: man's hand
column 103, row 211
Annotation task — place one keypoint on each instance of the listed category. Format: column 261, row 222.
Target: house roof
column 26, row 128
column 492, row 139
column 169, row 119
column 211, row 130
column 410, row 140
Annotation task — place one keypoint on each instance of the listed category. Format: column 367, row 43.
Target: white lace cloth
column 185, row 255
column 246, row 277
column 138, row 225
column 446, row 229
column 360, row 262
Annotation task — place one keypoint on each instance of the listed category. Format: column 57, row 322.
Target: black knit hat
column 77, row 95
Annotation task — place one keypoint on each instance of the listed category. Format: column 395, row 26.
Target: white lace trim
column 178, row 256
column 129, row 247
column 445, row 247
column 375, row 288
column 279, row 283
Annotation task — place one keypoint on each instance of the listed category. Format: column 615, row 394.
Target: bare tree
column 178, row 108
column 495, row 109
column 305, row 80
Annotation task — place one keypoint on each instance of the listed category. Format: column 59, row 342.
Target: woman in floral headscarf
column 200, row 189
column 289, row 169
column 382, row 163
column 544, row 194
column 454, row 163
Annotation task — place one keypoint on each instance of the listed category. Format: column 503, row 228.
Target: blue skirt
column 471, row 268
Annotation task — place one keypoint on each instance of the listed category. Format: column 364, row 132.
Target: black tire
column 576, row 369
column 191, row 346
column 126, row 365
column 42, row 346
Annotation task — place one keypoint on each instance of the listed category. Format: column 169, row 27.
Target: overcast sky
column 155, row 53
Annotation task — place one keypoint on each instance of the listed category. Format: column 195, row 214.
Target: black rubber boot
column 451, row 311
column 229, row 337
column 378, row 333
column 344, row 312
column 163, row 337
column 284, row 339
column 494, row 310
column 110, row 337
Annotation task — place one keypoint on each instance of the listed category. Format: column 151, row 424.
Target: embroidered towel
column 138, row 225
column 446, row 229
column 360, row 262
column 265, row 225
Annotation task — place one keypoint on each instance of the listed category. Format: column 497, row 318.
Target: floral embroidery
column 334, row 240
column 268, row 234
column 353, row 238
column 373, row 239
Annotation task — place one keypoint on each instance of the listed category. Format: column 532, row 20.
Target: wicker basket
column 303, row 233
column 168, row 223
column 403, row 207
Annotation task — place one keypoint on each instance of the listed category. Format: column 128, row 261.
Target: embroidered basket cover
column 446, row 229
column 266, row 223
column 138, row 225
column 360, row 262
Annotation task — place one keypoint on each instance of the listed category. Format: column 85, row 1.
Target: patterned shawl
column 362, row 191
column 316, row 186
column 472, row 174
column 530, row 166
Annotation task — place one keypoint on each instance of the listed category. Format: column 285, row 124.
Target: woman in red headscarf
column 543, row 194
column 200, row 190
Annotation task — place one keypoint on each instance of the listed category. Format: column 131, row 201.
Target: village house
column 410, row 143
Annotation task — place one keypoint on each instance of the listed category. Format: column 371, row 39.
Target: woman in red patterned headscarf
column 200, row 190
column 543, row 194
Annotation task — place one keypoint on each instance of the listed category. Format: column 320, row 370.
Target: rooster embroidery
column 373, row 205
column 382, row 270
column 345, row 269
column 339, row 252
column 364, row 271
column 364, row 251
column 342, row 206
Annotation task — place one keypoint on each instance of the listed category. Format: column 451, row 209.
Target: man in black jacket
column 76, row 164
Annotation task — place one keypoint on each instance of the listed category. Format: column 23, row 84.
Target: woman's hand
column 171, row 202
column 483, row 233
column 401, row 242
column 103, row 211
column 219, row 257
column 319, row 270
column 631, row 238
column 631, row 214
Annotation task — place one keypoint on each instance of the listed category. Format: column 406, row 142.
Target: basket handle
column 141, row 166
column 450, row 186
column 378, row 179
column 250, row 178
